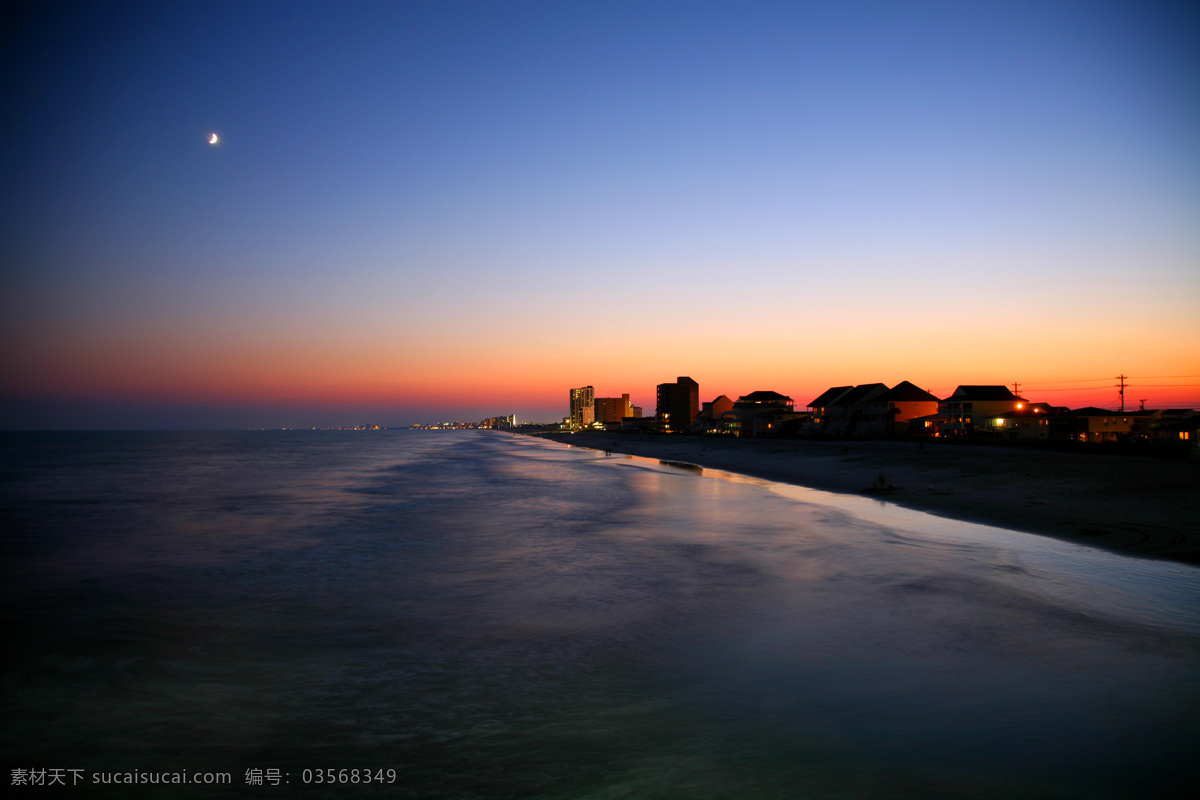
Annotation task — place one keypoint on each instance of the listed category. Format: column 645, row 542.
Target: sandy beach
column 1144, row 505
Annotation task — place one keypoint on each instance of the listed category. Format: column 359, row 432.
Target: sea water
column 438, row 614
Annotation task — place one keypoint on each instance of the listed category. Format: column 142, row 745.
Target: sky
column 425, row 211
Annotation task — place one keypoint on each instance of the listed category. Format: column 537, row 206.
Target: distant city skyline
column 433, row 211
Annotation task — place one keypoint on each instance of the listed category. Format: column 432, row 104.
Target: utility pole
column 1122, row 379
column 1016, row 388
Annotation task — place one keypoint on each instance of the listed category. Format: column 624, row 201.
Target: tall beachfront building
column 678, row 404
column 583, row 407
column 611, row 410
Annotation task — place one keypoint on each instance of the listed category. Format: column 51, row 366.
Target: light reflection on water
column 505, row 617
column 1137, row 589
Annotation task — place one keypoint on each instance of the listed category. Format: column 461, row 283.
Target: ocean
column 473, row 614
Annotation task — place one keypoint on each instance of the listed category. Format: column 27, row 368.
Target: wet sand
column 1143, row 505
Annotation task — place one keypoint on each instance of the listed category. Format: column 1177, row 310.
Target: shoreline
column 1128, row 504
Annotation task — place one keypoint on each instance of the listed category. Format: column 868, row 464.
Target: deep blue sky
column 409, row 184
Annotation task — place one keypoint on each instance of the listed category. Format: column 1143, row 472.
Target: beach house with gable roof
column 758, row 413
column 847, row 411
column 888, row 413
column 819, row 407
column 958, row 414
column 1093, row 424
column 711, row 418
column 1030, row 422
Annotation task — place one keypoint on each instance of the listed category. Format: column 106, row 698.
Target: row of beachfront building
column 878, row 411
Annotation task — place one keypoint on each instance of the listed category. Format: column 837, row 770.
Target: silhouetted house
column 1185, row 430
column 758, row 413
column 678, row 404
column 1031, row 422
column 639, row 424
column 846, row 411
column 1143, row 424
column 766, row 401
column 926, row 425
column 1046, row 408
column 819, row 407
column 958, row 412
column 1165, row 424
column 888, row 414
column 1092, row 424
column 711, row 418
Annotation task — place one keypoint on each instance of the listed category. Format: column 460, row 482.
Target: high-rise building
column 583, row 407
column 611, row 410
column 678, row 404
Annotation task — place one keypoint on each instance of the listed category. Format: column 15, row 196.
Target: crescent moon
column 212, row 139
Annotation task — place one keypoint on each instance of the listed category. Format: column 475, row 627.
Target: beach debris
column 881, row 484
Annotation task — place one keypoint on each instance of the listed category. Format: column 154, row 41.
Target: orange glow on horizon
column 528, row 369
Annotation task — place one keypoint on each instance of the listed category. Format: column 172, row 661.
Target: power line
column 1084, row 380
column 1127, row 377
column 1168, row 385
column 1086, row 389
column 1070, row 389
column 1160, row 377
